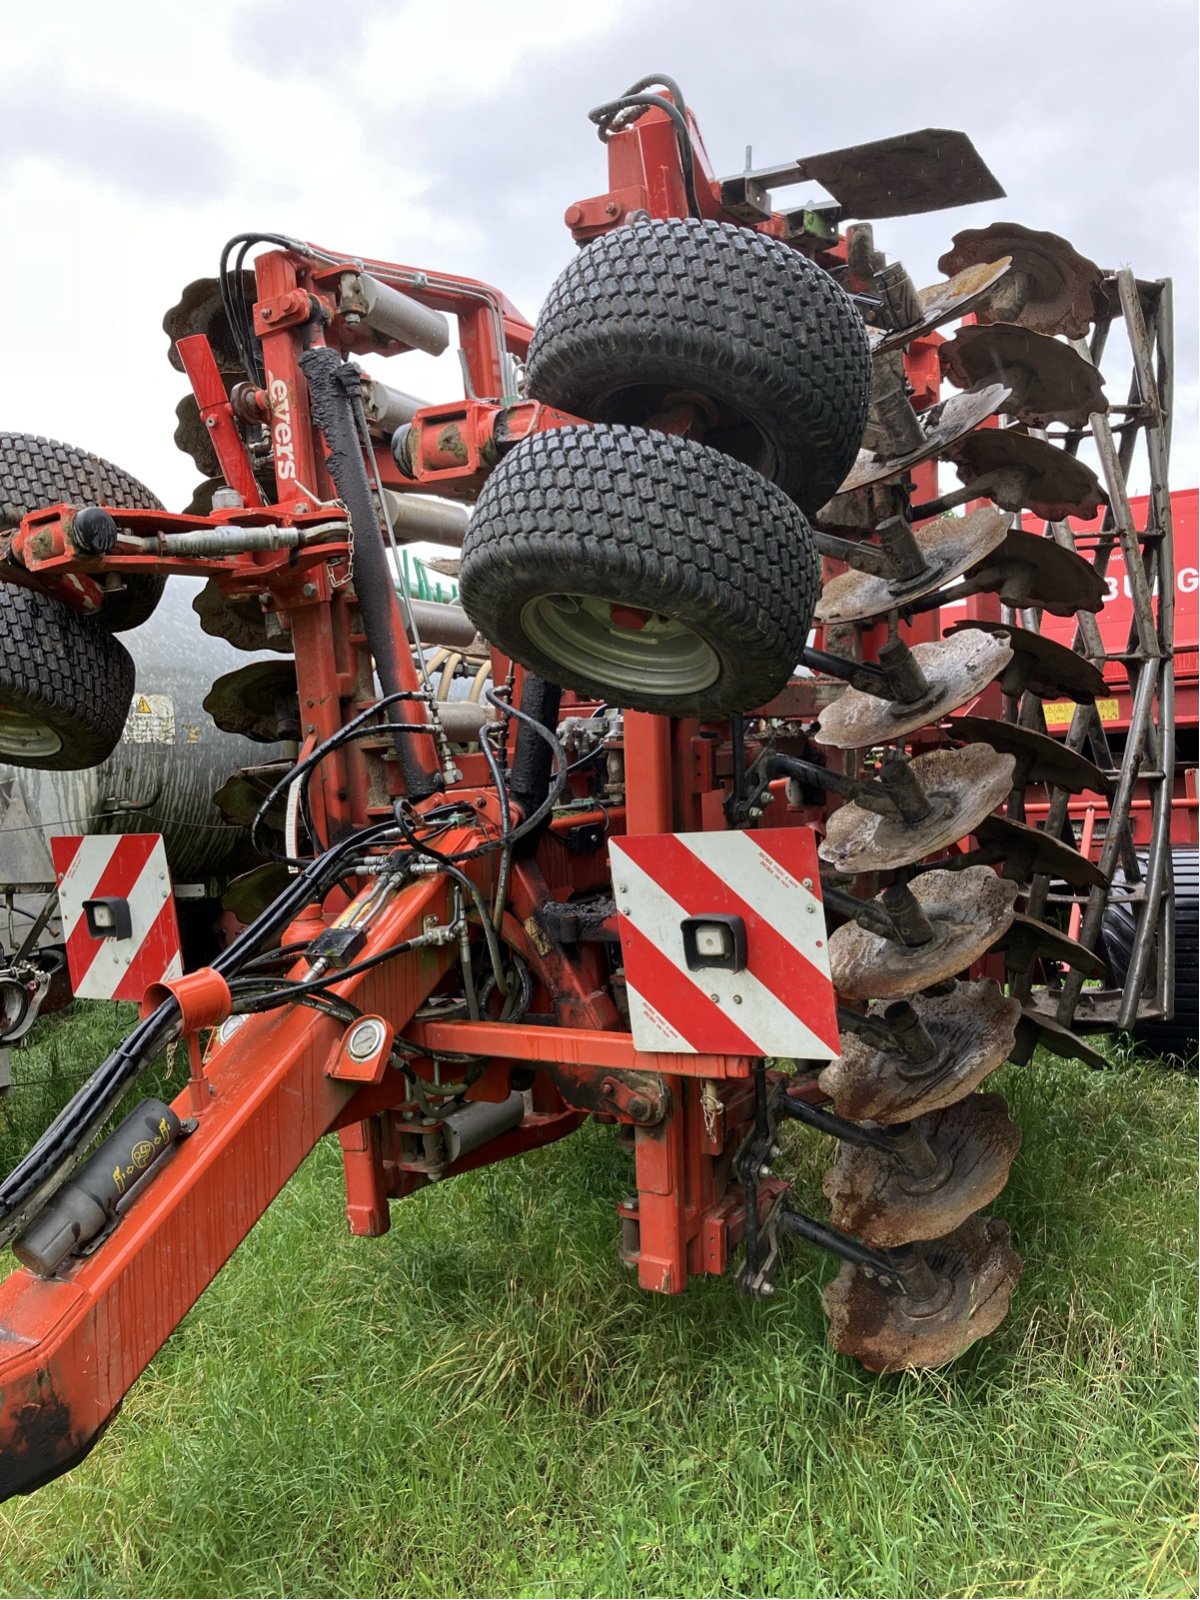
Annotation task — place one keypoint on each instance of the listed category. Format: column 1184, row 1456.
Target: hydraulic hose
column 59, row 1149
column 334, row 391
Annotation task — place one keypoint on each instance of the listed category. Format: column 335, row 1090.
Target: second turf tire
column 671, row 308
column 650, row 572
column 65, row 684
column 36, row 472
column 1178, row 1037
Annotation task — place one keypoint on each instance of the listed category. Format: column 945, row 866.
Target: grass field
column 483, row 1403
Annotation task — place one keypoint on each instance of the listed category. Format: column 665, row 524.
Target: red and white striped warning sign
column 760, row 888
column 128, row 867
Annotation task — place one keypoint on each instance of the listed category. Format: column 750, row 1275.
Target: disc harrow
column 958, row 879
column 509, row 907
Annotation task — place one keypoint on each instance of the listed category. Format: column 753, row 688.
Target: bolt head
column 766, row 1288
column 765, row 1170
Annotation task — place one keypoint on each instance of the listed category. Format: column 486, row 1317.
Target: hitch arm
column 71, row 1346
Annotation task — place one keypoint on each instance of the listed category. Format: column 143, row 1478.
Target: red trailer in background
column 1116, row 620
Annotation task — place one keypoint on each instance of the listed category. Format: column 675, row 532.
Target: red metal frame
column 280, row 1081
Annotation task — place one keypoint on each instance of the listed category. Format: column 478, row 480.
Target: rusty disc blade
column 950, row 546
column 1037, row 1029
column 248, row 895
column 1025, row 852
column 1050, row 381
column 962, row 787
column 1029, row 570
column 238, row 619
column 259, row 701
column 241, row 795
column 872, row 1196
column 1042, row 666
column 1053, row 484
column 1026, row 940
column 1050, row 288
column 976, row 1271
column 942, row 302
column 972, row 1028
column 1040, row 759
column 969, row 911
column 199, row 309
column 944, row 425
column 956, row 669
column 194, row 439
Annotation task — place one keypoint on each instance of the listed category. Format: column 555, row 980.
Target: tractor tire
column 1178, row 1037
column 37, row 472
column 647, row 571
column 664, row 310
column 65, row 684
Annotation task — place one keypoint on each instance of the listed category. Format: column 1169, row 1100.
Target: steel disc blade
column 259, row 701
column 1050, row 381
column 238, row 619
column 944, row 425
column 1042, row 666
column 871, row 1196
column 1031, row 570
column 962, row 786
column 1024, row 852
column 1054, row 485
column 942, row 302
column 199, row 309
column 957, row 670
column 194, row 439
column 1036, row 1029
column 969, row 911
column 1050, row 288
column 1026, row 940
column 972, row 1028
column 1040, row 759
column 950, row 545
column 976, row 1270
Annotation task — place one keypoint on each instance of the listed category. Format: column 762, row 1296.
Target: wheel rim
column 23, row 735
column 623, row 646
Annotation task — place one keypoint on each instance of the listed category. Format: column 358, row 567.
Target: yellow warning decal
column 1060, row 712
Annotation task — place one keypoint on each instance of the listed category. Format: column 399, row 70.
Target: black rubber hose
column 533, row 758
column 60, row 1145
column 335, row 388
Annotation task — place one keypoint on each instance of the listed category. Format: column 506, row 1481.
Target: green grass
column 483, row 1403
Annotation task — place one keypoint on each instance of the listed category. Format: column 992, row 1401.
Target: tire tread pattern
column 649, row 520
column 59, row 667
column 1179, row 1035
column 36, row 472
column 714, row 307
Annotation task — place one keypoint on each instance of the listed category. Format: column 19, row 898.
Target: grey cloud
column 159, row 156
column 298, row 39
column 1085, row 141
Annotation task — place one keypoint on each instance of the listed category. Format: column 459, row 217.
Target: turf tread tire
column 37, row 472
column 650, row 521
column 718, row 310
column 60, row 668
column 1178, row 1037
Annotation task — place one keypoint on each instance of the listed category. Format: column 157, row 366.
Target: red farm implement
column 737, row 823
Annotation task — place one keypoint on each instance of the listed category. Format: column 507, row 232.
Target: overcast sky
column 138, row 137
